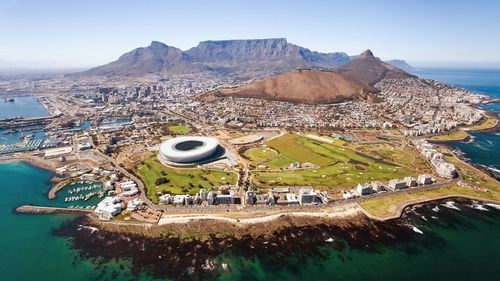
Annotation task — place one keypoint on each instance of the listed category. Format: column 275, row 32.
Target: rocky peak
column 366, row 54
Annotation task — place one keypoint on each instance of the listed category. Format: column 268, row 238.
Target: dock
column 31, row 209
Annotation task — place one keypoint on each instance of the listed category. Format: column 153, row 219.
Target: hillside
column 369, row 69
column 312, row 87
column 267, row 55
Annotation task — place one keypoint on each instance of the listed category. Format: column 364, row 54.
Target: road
column 140, row 184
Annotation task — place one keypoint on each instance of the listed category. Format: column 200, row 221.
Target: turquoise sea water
column 28, row 250
column 26, row 107
column 456, row 245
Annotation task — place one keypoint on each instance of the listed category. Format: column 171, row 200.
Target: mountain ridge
column 352, row 81
column 272, row 55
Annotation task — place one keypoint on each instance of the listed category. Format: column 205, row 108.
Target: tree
column 162, row 180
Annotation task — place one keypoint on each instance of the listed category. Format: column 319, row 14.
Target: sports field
column 337, row 166
column 260, row 154
column 179, row 181
column 179, row 129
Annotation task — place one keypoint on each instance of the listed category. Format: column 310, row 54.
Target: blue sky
column 87, row 33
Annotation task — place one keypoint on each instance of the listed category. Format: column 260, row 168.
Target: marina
column 79, row 195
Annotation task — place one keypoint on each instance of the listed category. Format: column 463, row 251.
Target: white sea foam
column 414, row 228
column 450, row 205
column 493, row 205
column 91, row 228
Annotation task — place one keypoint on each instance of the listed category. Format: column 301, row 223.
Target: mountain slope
column 152, row 59
column 312, row 87
column 369, row 69
column 271, row 55
column 401, row 64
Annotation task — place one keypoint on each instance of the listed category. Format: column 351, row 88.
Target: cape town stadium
column 187, row 149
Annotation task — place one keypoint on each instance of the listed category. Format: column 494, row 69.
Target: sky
column 68, row 33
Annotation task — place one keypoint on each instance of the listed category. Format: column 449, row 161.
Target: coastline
column 36, row 162
column 245, row 218
column 192, row 250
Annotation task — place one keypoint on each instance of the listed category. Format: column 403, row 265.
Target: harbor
column 79, row 195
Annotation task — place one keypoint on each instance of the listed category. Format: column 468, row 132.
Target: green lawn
column 181, row 181
column 391, row 205
column 339, row 166
column 455, row 135
column 340, row 174
column 486, row 124
column 404, row 156
column 281, row 162
column 260, row 154
column 179, row 129
column 292, row 146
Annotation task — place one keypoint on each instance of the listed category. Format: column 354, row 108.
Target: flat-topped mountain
column 369, row 69
column 270, row 56
column 353, row 81
column 312, row 87
column 267, row 56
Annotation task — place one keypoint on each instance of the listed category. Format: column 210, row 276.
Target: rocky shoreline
column 189, row 251
column 183, row 256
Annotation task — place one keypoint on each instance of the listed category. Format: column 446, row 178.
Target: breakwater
column 30, row 209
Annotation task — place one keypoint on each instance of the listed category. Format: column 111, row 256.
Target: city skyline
column 56, row 35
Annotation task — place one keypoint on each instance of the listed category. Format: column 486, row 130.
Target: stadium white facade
column 187, row 149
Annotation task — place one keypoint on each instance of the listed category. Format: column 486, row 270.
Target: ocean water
column 28, row 250
column 26, row 107
column 456, row 245
column 485, row 147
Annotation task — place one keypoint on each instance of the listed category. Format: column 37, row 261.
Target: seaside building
column 129, row 188
column 58, row 152
column 108, row 208
column 211, row 198
column 378, row 186
column 250, row 197
column 134, row 204
column 396, row 184
column 203, row 194
column 166, row 199
column 443, row 168
column 364, row 189
column 424, row 179
column 291, row 198
column 347, row 194
column 227, row 199
column 271, row 199
column 307, row 196
column 410, row 181
column 179, row 199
